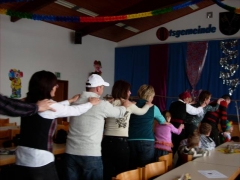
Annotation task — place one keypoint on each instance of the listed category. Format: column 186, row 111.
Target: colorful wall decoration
column 16, row 84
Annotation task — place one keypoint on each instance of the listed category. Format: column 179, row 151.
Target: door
column 61, row 94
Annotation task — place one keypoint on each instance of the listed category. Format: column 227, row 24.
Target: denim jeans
column 46, row 172
column 141, row 153
column 84, row 167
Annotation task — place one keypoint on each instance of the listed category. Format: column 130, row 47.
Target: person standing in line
column 179, row 110
column 141, row 137
column 34, row 157
column 163, row 136
column 218, row 117
column 192, row 121
column 14, row 107
column 83, row 147
column 115, row 149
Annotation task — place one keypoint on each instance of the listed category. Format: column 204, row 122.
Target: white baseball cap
column 95, row 80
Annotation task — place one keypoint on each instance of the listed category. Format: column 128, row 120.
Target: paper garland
column 53, row 18
column 229, row 8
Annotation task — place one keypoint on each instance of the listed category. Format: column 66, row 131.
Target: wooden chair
column 185, row 158
column 10, row 124
column 169, row 160
column 4, row 121
column 5, row 135
column 135, row 174
column 65, row 123
column 154, row 169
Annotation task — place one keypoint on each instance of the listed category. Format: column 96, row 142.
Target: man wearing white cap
column 83, row 147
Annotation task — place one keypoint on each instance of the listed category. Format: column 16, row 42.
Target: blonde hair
column 146, row 91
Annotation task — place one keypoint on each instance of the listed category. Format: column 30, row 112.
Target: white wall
column 31, row 46
column 187, row 22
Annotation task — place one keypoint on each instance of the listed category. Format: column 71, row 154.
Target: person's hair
column 40, row 86
column 165, row 112
column 193, row 140
column 203, row 96
column 205, row 128
column 120, row 89
column 145, row 92
column 226, row 96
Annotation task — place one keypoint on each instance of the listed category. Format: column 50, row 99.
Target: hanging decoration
column 54, row 18
column 229, row 8
column 16, row 85
column 97, row 66
column 230, row 69
column 196, row 55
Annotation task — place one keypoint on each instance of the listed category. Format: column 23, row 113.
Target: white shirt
column 31, row 157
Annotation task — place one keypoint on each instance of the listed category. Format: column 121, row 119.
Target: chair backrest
column 5, row 135
column 186, row 157
column 4, row 121
column 10, row 124
column 154, row 169
column 169, row 160
column 135, row 174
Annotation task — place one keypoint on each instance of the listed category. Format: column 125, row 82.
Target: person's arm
column 175, row 130
column 192, row 110
column 140, row 111
column 222, row 111
column 114, row 111
column 158, row 116
column 14, row 108
column 66, row 111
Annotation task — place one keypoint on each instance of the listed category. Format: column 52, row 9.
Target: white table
column 192, row 168
column 217, row 157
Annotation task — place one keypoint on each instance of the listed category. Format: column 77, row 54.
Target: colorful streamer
column 229, row 8
column 53, row 18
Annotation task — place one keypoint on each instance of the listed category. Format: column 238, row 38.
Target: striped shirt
column 14, row 107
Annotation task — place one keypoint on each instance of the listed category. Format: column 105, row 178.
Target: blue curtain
column 132, row 65
column 178, row 80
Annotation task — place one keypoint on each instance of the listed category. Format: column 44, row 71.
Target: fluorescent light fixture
column 132, row 29
column 120, row 24
column 193, row 6
column 65, row 3
column 87, row 12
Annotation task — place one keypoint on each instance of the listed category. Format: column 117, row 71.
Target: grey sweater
column 86, row 131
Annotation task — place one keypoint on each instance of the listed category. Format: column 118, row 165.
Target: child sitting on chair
column 192, row 148
column 206, row 142
column 226, row 136
column 163, row 136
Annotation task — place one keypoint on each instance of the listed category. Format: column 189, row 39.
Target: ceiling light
column 132, row 29
column 65, row 3
column 193, row 6
column 120, row 24
column 87, row 12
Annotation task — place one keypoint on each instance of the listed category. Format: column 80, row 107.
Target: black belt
column 116, row 138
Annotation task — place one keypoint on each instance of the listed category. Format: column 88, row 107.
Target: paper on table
column 212, row 174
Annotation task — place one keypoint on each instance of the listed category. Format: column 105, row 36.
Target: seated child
column 192, row 148
column 206, row 142
column 163, row 136
column 226, row 136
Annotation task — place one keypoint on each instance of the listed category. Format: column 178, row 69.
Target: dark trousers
column 46, row 172
column 215, row 134
column 176, row 139
column 141, row 153
column 115, row 156
column 159, row 153
column 189, row 129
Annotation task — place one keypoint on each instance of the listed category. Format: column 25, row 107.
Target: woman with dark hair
column 192, row 121
column 34, row 157
column 115, row 150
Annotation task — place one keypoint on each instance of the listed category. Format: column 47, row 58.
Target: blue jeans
column 84, row 167
column 141, row 153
